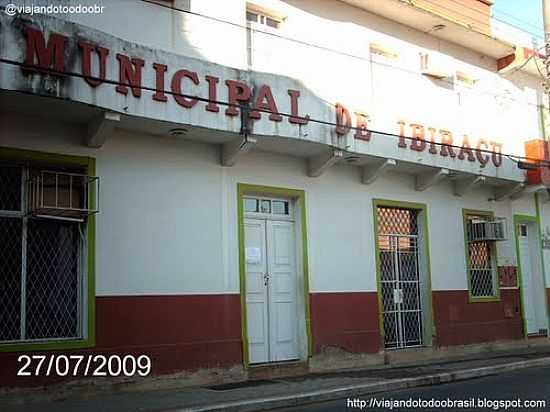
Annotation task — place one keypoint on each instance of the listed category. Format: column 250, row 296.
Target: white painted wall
column 168, row 221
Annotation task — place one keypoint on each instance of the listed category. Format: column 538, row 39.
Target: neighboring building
column 358, row 192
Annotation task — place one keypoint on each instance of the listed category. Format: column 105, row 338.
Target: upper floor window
column 255, row 14
column 262, row 19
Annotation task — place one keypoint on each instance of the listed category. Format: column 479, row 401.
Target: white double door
column 271, row 290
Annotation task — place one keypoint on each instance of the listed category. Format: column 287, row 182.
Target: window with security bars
column 481, row 267
column 41, row 268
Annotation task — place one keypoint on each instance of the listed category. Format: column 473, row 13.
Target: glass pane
column 10, row 188
column 250, row 205
column 397, row 221
column 251, row 16
column 265, row 206
column 271, row 22
column 523, row 230
column 280, row 207
column 10, row 278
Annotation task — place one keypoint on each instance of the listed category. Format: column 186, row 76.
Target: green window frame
column 469, row 248
column 89, row 163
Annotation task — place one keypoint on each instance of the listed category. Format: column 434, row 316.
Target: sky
column 525, row 14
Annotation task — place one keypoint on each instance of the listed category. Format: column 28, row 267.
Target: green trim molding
column 479, row 299
column 89, row 163
column 422, row 207
column 300, row 198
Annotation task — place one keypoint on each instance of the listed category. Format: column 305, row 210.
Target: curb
column 298, row 399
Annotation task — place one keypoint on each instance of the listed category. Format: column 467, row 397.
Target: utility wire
column 481, row 22
column 528, row 22
column 515, row 69
column 245, row 108
column 492, row 15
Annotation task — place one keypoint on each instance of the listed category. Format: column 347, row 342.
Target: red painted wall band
column 188, row 332
column 348, row 321
column 185, row 332
column 459, row 322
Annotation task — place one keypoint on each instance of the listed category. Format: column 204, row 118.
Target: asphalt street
column 527, row 384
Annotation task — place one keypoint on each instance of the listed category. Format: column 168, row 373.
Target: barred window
column 481, row 264
column 41, row 268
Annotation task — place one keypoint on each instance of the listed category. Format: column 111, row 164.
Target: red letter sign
column 55, row 50
column 102, row 53
column 176, row 87
column 129, row 74
column 238, row 92
column 265, row 101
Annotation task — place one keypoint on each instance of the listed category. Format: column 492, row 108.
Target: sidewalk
column 284, row 392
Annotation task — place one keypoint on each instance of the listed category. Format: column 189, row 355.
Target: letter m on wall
column 45, row 56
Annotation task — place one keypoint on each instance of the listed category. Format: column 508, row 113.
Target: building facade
column 250, row 183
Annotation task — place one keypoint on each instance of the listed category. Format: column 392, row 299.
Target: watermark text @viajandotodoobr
column 20, row 9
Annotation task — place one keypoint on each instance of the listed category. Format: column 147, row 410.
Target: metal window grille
column 52, row 280
column 480, row 264
column 61, row 195
column 10, row 278
column 400, row 277
column 41, row 270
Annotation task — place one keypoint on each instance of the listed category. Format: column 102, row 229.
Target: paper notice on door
column 397, row 296
column 253, row 255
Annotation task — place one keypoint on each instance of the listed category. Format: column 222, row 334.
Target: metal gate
column 400, row 276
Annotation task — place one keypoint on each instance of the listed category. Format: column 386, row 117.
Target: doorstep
column 277, row 369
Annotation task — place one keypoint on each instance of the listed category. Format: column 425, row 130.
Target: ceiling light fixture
column 352, row 159
column 178, row 132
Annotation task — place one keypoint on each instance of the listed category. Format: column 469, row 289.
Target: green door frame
column 300, row 198
column 405, row 205
column 89, row 163
column 522, row 219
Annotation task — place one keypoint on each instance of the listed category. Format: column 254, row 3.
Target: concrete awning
column 414, row 15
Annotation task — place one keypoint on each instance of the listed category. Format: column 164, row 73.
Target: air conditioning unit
column 62, row 195
column 491, row 229
column 466, row 78
column 435, row 64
